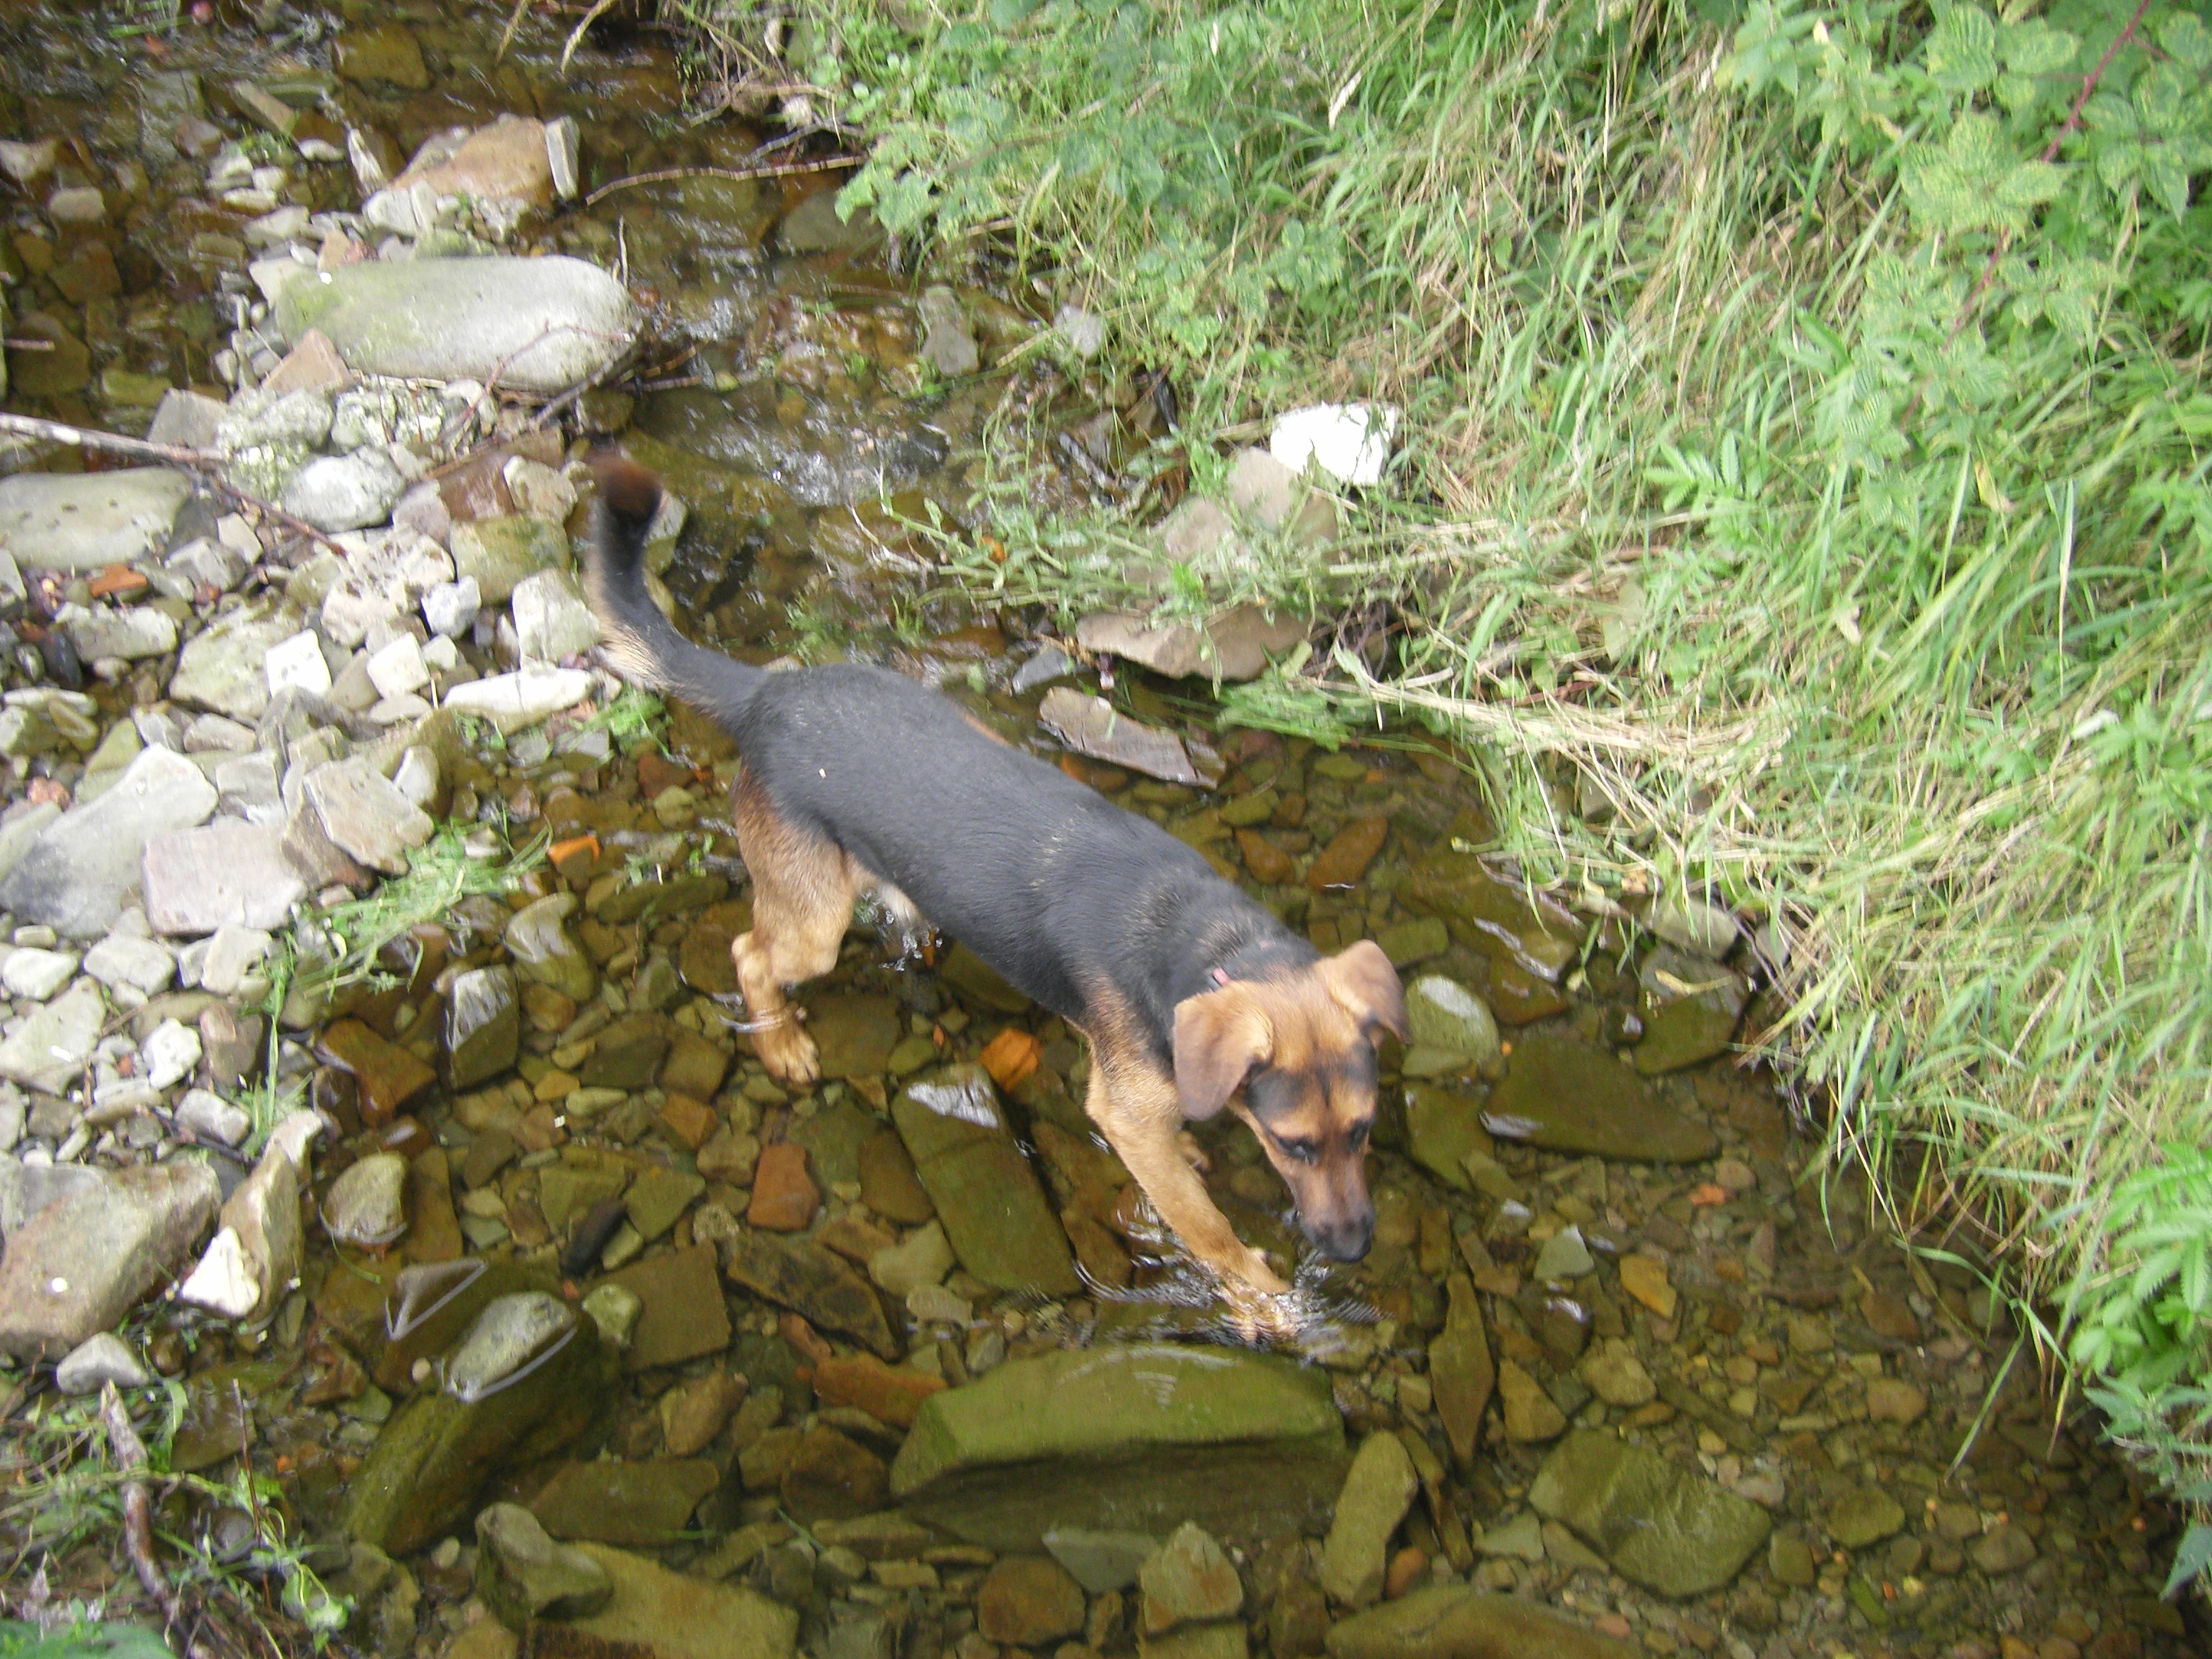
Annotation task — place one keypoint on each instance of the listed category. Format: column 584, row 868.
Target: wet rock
column 855, row 1035
column 344, row 492
column 1864, row 1515
column 1460, row 1374
column 1225, row 1640
column 1530, row 1414
column 1504, row 919
column 547, row 953
column 693, row 1413
column 538, row 324
column 784, row 1197
column 682, row 1314
column 364, row 816
column 1452, row 1031
column 1344, row 859
column 367, row 1204
column 1443, row 1127
column 49, row 1049
column 522, row 1574
column 224, row 666
column 484, row 1026
column 1569, row 1096
column 97, row 1361
column 389, row 1076
column 551, row 621
column 1235, row 645
column 948, row 344
column 660, row 1615
column 621, row 1502
column 1691, row 1008
column 1646, row 1280
column 1563, row 1255
column 81, row 1262
column 1616, row 1376
column 656, row 1197
column 1658, row 1523
column 511, row 702
column 73, row 878
column 813, row 1283
column 246, row 1278
column 923, row 1257
column 1377, row 1490
column 1141, row 1438
column 888, row 1185
column 501, row 171
column 816, row 226
column 831, row 1477
column 1091, row 726
column 1029, row 1601
column 1892, row 1400
column 994, row 1210
column 1189, row 1578
column 226, row 874
column 1694, row 925
column 497, row 1410
column 86, row 520
column 2001, row 1549
column 1456, row 1621
column 892, row 1394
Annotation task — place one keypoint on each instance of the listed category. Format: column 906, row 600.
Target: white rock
column 48, row 1050
column 233, row 952
column 1348, row 442
column 511, row 701
column 399, row 668
column 1086, row 334
column 224, row 1282
column 210, row 1117
column 348, row 614
column 86, row 520
column 441, row 655
column 273, row 275
column 141, row 964
column 298, row 661
column 538, row 490
column 34, row 975
column 345, row 492
column 399, row 710
column 168, row 1054
column 561, row 154
column 130, row 633
column 450, row 607
column 417, row 776
column 98, row 1360
column 190, row 960
column 211, row 734
column 551, row 619
column 364, row 815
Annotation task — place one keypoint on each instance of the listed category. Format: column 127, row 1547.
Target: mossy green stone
column 500, row 552
column 992, row 1207
column 1657, row 1522
column 1137, row 1438
column 1569, row 1096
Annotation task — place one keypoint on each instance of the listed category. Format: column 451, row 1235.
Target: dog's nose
column 1345, row 1238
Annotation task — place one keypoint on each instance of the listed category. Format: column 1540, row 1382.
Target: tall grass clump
column 1804, row 501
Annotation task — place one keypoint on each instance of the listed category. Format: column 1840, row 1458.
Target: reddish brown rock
column 1345, row 861
column 1028, row 1599
column 784, row 1197
column 889, row 1393
column 831, row 1477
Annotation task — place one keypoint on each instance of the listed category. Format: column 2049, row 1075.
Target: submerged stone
column 1378, row 1490
column 1091, row 725
column 1457, row 1621
column 1126, row 1439
column 809, row 1280
column 1658, row 1523
column 484, row 1026
column 1442, row 1126
column 1504, row 919
column 522, row 1574
column 547, row 953
column 616, row 1502
column 993, row 1208
column 389, row 1076
column 674, row 1615
column 1691, row 1008
column 1451, row 1029
column 1569, row 1096
column 1460, row 1372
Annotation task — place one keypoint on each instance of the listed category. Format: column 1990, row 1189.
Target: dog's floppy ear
column 1218, row 1038
column 1365, row 986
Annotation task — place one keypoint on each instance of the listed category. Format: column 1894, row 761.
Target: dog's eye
column 1305, row 1151
column 1355, row 1136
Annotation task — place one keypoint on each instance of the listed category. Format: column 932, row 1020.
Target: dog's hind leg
column 803, row 891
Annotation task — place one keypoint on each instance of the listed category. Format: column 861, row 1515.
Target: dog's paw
column 789, row 1054
column 1256, row 1273
column 1260, row 1319
column 1193, row 1153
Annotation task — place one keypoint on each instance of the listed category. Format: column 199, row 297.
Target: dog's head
column 1293, row 1055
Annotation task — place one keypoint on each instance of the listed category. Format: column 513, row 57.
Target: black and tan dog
column 856, row 779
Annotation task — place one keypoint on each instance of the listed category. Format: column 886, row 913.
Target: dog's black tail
column 642, row 641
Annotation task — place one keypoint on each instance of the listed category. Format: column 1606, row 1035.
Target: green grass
column 1806, row 459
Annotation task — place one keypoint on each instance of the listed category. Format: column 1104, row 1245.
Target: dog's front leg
column 1140, row 1118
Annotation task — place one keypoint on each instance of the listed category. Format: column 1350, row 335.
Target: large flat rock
column 1657, row 1522
column 674, row 1615
column 1456, row 1621
column 82, row 520
column 992, row 1207
column 83, row 1260
column 1569, row 1096
column 538, row 324
column 74, row 877
column 1137, row 1438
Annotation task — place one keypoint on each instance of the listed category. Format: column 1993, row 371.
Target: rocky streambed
column 374, row 1119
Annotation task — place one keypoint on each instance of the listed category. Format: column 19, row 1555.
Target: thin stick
column 137, row 1507
column 513, row 22
column 663, row 174
column 201, row 462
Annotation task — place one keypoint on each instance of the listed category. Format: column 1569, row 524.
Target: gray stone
column 1189, row 1578
column 297, row 664
column 551, row 619
column 86, row 520
column 130, row 634
column 98, row 1360
column 209, row 734
column 367, row 1204
column 247, row 786
column 538, row 324
column 232, row 954
column 131, row 963
column 344, row 492
column 1565, row 1256
column 293, row 420
column 222, row 667
column 74, row 876
column 36, row 975
column 500, row 554
column 1659, row 1525
column 25, row 823
column 226, row 874
column 1049, row 663
column 255, row 1256
column 82, row 1261
column 1451, row 1027
column 815, row 226
column 208, row 1117
column 450, row 607
column 49, row 1050
column 511, row 702
column 364, row 816
column 1378, row 1490
column 1235, row 645
column 1457, row 1621
column 948, row 343
column 186, row 420
column 1128, row 1438
column 1101, row 1561
column 1864, row 1515
column 523, row 1574
column 1084, row 333
column 1091, row 725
